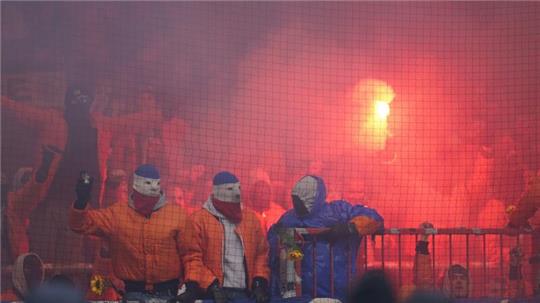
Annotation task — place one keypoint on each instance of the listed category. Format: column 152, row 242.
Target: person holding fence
column 328, row 262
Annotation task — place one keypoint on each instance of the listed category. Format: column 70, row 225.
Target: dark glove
column 422, row 247
column 339, row 231
column 217, row 293
column 192, row 293
column 83, row 190
column 47, row 156
column 259, row 290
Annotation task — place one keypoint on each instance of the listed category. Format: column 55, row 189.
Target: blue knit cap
column 147, row 171
column 225, row 177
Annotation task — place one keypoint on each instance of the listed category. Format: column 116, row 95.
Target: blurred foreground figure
column 145, row 235
column 374, row 286
column 59, row 289
column 346, row 225
column 27, row 275
column 227, row 253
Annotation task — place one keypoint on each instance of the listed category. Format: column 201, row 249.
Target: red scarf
column 230, row 210
column 144, row 205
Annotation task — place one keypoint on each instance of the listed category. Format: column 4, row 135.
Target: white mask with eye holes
column 228, row 192
column 306, row 190
column 147, row 186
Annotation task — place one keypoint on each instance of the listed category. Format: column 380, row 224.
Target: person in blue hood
column 328, row 263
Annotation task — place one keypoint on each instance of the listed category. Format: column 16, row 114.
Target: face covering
column 305, row 190
column 147, row 189
column 299, row 206
column 144, row 204
column 147, row 186
column 226, row 196
column 232, row 211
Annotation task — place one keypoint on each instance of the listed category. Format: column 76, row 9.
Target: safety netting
column 118, row 117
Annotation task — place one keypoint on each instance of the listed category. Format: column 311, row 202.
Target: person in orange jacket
column 145, row 235
column 227, row 253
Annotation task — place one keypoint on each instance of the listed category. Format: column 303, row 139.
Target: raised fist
column 83, row 189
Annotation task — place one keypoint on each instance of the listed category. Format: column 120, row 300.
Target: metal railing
column 447, row 246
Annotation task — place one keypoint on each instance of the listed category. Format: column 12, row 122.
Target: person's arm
column 34, row 115
column 423, row 273
column 89, row 222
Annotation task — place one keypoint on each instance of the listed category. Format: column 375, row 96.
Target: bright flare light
column 373, row 98
column 382, row 109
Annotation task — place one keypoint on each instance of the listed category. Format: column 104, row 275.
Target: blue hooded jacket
column 316, row 263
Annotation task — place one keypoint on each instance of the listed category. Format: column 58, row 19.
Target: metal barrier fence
column 483, row 252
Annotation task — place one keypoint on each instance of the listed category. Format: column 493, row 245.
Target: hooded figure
column 145, row 235
column 227, row 255
column 346, row 224
column 28, row 274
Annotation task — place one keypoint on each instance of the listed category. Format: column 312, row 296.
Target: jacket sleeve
column 92, row 222
column 365, row 219
column 261, row 254
column 195, row 269
column 30, row 113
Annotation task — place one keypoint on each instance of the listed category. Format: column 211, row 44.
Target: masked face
column 77, row 105
column 299, row 206
column 229, row 192
column 304, row 193
column 147, row 186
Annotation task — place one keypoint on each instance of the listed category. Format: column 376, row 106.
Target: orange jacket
column 141, row 249
column 204, row 249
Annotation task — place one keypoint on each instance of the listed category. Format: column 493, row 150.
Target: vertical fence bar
column 366, row 255
column 484, row 249
column 467, row 253
column 382, row 251
column 313, row 266
column 449, row 250
column 433, row 259
column 399, row 261
column 332, row 275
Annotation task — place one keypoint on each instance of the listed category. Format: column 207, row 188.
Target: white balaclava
column 306, row 190
column 226, row 188
column 146, row 181
column 226, row 196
